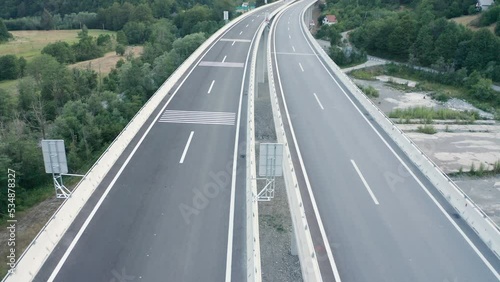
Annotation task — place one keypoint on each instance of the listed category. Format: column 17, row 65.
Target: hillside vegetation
column 419, row 33
column 54, row 101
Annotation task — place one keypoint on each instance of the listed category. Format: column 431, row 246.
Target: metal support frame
column 267, row 193
column 54, row 158
column 61, row 191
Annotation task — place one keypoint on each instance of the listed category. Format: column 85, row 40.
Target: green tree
column 54, row 81
column 423, row 47
column 120, row 49
column 86, row 82
column 482, row 48
column 136, row 32
column 6, row 106
column 186, row 45
column 121, row 38
column 61, row 51
column 497, row 27
column 115, row 16
column 76, row 126
column 46, row 21
column 402, row 37
column 142, row 13
column 9, row 67
column 447, row 42
column 108, row 110
column 22, row 66
column 27, row 89
column 482, row 90
column 163, row 8
column 165, row 65
column 104, row 40
column 86, row 48
column 224, row 5
column 163, row 34
column 188, row 19
column 4, row 33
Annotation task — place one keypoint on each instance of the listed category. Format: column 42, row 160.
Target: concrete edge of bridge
column 303, row 239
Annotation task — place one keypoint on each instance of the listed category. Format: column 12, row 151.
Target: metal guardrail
column 305, row 246
column 254, row 272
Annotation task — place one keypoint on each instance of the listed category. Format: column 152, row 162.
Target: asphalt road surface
column 175, row 207
column 380, row 222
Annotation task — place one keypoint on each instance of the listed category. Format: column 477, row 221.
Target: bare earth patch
column 29, row 223
column 105, row 64
column 467, row 22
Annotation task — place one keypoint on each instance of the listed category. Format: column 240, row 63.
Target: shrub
column 441, row 96
column 103, row 40
column 427, row 129
column 61, row 51
column 9, row 67
column 120, row 50
column 4, row 33
column 370, row 91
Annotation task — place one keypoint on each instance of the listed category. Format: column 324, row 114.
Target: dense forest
column 54, row 101
column 162, row 8
column 420, row 33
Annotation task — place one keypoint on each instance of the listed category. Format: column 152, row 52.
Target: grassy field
column 29, row 43
column 430, row 114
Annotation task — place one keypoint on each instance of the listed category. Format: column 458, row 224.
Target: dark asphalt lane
column 164, row 220
column 399, row 234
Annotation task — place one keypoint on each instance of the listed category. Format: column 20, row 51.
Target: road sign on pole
column 226, row 16
column 270, row 159
column 270, row 166
column 54, row 158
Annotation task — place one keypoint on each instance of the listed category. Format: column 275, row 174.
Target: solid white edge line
column 319, row 102
column 73, row 243
column 211, row 85
column 466, row 238
column 223, row 60
column 306, row 177
column 364, row 182
column 300, row 65
column 186, row 148
column 229, row 256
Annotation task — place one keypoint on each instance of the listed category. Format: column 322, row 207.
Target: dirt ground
column 105, row 64
column 29, row 223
